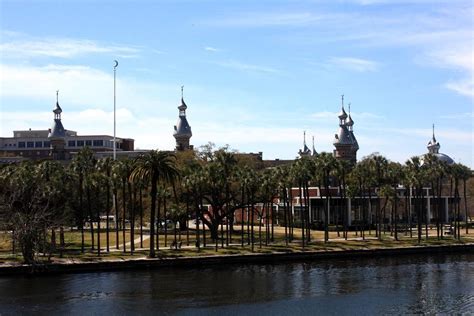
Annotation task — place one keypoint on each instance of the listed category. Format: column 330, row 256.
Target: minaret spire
column 182, row 131
column 434, row 134
column 343, row 114
column 57, row 96
column 304, row 139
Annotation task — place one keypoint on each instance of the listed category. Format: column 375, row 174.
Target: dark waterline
column 397, row 285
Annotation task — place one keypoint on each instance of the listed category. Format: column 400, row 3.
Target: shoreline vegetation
column 210, row 202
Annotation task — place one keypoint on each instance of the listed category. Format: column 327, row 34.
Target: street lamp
column 115, row 124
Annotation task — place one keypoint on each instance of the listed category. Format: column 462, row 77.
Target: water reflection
column 405, row 284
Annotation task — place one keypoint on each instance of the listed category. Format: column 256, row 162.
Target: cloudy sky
column 256, row 74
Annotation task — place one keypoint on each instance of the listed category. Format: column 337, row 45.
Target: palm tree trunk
column 81, row 215
column 152, row 215
column 117, row 241
column 132, row 221
column 107, row 214
column 465, row 206
column 301, row 214
column 157, row 223
column 91, row 218
column 141, row 217
column 165, row 219
column 98, row 225
column 242, row 194
column 252, row 210
column 124, row 209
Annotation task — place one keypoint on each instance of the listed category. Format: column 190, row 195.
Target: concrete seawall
column 145, row 263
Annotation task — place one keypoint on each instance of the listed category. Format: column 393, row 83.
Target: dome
column 350, row 122
column 441, row 158
column 343, row 137
column 183, row 128
column 343, row 114
column 57, row 131
column 444, row 158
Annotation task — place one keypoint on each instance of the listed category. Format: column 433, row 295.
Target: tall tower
column 182, row 131
column 433, row 145
column 345, row 141
column 305, row 151
column 433, row 149
column 57, row 134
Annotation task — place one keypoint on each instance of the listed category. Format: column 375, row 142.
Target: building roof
column 343, row 137
column 57, row 131
column 343, row 114
column 350, row 122
column 182, row 129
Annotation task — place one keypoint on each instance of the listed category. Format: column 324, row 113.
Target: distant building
column 305, row 151
column 57, row 143
column 433, row 148
column 182, row 131
column 345, row 140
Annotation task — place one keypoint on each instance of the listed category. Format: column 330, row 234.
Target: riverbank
column 114, row 264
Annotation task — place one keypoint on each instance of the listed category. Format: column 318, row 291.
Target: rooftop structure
column 433, row 148
column 305, row 151
column 345, row 141
column 57, row 142
column 182, row 131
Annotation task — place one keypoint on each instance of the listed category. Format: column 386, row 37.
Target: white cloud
column 354, row 64
column 266, row 19
column 232, row 64
column 212, row 49
column 21, row 46
column 79, row 86
column 460, row 116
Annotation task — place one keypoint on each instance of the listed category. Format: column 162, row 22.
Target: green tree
column 155, row 167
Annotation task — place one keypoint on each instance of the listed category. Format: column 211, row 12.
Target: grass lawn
column 354, row 242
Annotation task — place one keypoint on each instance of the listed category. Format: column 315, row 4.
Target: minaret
column 433, row 145
column 350, row 126
column 182, row 131
column 57, row 134
column 305, row 151
column 344, row 141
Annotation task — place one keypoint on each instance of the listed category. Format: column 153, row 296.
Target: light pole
column 115, row 124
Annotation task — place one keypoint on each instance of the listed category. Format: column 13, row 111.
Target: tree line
column 225, row 194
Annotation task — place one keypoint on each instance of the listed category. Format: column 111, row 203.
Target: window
column 38, row 144
column 80, row 143
column 47, row 144
column 71, row 143
column 21, row 144
column 30, row 144
column 98, row 142
column 88, row 143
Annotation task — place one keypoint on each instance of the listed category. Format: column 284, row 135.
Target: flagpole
column 115, row 124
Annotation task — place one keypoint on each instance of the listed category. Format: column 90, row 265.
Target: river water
column 405, row 284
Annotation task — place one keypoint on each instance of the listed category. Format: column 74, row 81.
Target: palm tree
column 415, row 178
column 394, row 174
column 325, row 164
column 378, row 164
column 82, row 165
column 155, row 166
column 465, row 174
column 105, row 167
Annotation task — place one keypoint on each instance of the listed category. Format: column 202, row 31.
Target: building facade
column 57, row 142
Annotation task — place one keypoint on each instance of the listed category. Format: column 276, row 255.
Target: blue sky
column 256, row 73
